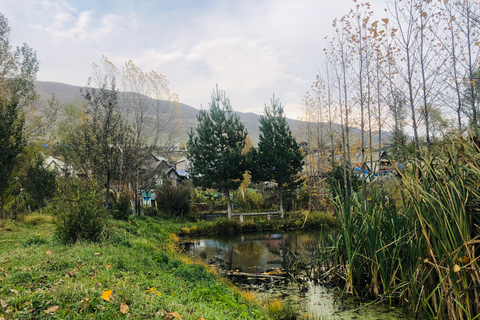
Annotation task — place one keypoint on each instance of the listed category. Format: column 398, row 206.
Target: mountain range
column 66, row 94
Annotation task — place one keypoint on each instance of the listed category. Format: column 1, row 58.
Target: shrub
column 122, row 208
column 149, row 211
column 78, row 211
column 175, row 201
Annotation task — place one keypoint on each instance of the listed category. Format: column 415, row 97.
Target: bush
column 175, row 201
column 78, row 211
column 122, row 208
column 150, row 211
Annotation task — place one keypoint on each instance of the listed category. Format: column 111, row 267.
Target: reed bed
column 423, row 252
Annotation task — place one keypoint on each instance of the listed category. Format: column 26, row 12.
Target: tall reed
column 423, row 253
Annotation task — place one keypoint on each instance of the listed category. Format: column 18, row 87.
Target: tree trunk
column 280, row 196
column 229, row 204
column 107, row 194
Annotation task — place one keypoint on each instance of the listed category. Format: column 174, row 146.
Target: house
column 183, row 164
column 57, row 165
column 159, row 163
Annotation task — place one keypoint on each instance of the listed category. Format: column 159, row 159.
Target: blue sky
column 252, row 49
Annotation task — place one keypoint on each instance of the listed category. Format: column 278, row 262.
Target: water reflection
column 266, row 262
column 257, row 253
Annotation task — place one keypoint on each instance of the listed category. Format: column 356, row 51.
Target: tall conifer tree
column 279, row 157
column 216, row 148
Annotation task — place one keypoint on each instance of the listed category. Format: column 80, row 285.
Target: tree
column 182, row 146
column 39, row 182
column 18, row 70
column 216, row 148
column 95, row 143
column 279, row 157
column 149, row 113
column 12, row 142
column 398, row 111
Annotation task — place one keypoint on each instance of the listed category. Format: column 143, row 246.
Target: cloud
column 251, row 49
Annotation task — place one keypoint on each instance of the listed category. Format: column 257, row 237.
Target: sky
column 251, row 49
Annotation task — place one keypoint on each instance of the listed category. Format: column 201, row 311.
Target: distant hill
column 67, row 94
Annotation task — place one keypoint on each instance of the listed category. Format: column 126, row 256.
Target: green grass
column 37, row 274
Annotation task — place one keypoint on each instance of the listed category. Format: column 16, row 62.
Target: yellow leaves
column 456, row 268
column 153, row 289
column 425, row 260
column 106, row 295
column 174, row 237
column 124, row 308
column 464, row 259
column 385, row 20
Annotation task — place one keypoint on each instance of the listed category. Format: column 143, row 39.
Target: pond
column 280, row 265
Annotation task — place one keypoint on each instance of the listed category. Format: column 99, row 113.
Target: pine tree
column 279, row 157
column 216, row 149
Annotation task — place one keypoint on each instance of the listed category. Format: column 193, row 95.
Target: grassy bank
column 134, row 273
column 292, row 221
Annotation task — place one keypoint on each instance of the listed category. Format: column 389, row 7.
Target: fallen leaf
column 124, row 308
column 108, row 266
column 456, row 268
column 106, row 295
column 48, row 252
column 173, row 316
column 161, row 313
column 51, row 310
column 71, row 273
column 97, row 253
column 3, row 304
column 85, row 304
column 201, row 319
column 14, row 291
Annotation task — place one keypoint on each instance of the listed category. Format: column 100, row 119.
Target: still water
column 268, row 264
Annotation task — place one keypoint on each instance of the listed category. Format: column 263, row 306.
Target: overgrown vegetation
column 422, row 252
column 175, row 201
column 78, row 211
